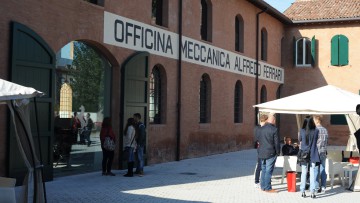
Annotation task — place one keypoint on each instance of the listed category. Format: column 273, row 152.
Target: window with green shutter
column 313, row 51
column 339, row 50
column 305, row 52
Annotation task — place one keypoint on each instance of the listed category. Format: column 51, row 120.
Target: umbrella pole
column 41, row 162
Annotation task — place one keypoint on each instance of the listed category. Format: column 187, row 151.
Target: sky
column 280, row 5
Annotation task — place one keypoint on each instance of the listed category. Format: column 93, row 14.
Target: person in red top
column 108, row 156
column 75, row 127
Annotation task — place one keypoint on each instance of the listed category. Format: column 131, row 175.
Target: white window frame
column 304, row 53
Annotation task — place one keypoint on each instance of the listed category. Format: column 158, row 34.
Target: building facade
column 332, row 34
column 189, row 67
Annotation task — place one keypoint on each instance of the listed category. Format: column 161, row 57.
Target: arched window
column 155, row 103
column 263, row 94
column 264, row 44
column 239, row 33
column 205, row 99
column 65, row 101
column 305, row 52
column 160, row 12
column 283, row 48
column 157, row 11
column 206, row 20
column 238, row 103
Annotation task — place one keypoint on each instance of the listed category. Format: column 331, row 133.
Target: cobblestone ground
column 219, row 178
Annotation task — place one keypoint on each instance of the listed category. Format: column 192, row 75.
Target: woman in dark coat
column 108, row 156
column 308, row 138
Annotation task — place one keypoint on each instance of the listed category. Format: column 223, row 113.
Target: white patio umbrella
column 324, row 100
column 17, row 98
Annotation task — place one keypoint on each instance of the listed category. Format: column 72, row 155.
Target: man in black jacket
column 269, row 149
column 141, row 142
column 288, row 149
column 263, row 119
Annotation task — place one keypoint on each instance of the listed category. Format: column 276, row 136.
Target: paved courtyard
column 219, row 178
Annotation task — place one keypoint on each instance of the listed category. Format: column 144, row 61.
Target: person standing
column 141, row 141
column 269, row 149
column 321, row 146
column 88, row 128
column 308, row 139
column 108, row 156
column 75, row 127
column 262, row 119
column 130, row 145
column 288, row 149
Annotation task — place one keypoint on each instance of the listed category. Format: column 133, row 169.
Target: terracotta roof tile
column 302, row 10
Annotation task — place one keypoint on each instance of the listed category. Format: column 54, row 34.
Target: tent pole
column 32, row 152
column 41, row 162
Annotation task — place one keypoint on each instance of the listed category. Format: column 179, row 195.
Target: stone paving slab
column 219, row 178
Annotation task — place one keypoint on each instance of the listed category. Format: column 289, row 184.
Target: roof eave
column 326, row 20
column 271, row 11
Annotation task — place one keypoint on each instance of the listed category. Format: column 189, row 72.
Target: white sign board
column 123, row 32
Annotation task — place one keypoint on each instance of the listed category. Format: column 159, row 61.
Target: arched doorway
column 135, row 78
column 82, row 70
column 33, row 65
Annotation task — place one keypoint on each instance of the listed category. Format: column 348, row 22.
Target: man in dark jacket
column 141, row 141
column 288, row 149
column 269, row 149
column 263, row 119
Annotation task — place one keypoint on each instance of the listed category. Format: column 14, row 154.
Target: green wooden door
column 33, row 65
column 135, row 87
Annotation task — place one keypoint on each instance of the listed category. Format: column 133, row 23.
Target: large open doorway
column 135, row 78
column 33, row 65
column 83, row 84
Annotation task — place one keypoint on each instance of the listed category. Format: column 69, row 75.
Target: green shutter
column 335, row 51
column 313, row 50
column 343, row 50
column 294, row 51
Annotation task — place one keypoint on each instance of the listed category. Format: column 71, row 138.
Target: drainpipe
column 178, row 124
column 257, row 64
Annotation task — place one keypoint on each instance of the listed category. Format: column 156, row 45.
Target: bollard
column 291, row 181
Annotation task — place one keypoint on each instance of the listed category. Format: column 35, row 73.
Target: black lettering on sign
column 119, row 27
column 190, row 50
column 169, row 45
column 136, row 35
column 147, row 33
column 128, row 34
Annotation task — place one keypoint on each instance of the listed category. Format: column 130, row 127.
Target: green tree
column 88, row 75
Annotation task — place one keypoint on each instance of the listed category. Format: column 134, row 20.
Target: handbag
column 303, row 156
column 126, row 151
column 109, row 143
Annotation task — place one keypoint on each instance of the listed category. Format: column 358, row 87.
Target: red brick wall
column 303, row 79
column 59, row 22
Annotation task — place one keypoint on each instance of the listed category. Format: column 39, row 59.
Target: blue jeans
column 131, row 155
column 313, row 174
column 267, row 168
column 257, row 171
column 140, row 158
column 321, row 178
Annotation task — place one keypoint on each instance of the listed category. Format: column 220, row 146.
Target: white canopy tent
column 324, row 100
column 17, row 98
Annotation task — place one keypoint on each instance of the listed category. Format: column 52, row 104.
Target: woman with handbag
column 107, row 138
column 130, row 145
column 308, row 155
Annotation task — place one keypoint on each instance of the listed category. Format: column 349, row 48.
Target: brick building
column 188, row 66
